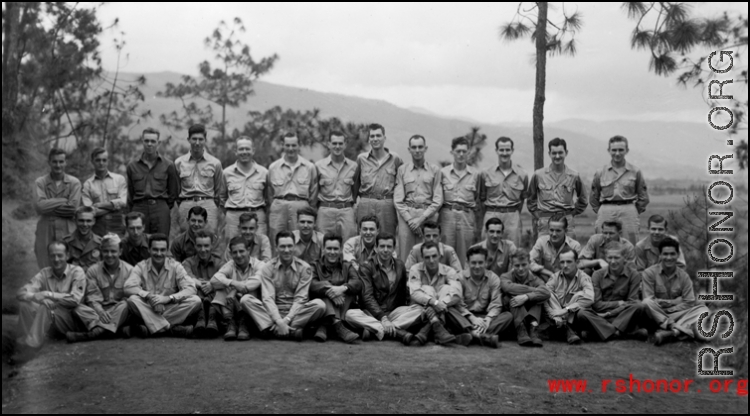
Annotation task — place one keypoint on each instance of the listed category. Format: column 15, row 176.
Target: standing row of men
column 403, row 195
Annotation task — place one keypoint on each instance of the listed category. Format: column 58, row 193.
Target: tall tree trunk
column 541, row 76
column 11, row 30
column 223, row 122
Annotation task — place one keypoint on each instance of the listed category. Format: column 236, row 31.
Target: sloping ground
column 169, row 375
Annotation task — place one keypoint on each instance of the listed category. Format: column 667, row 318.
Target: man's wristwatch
column 172, row 299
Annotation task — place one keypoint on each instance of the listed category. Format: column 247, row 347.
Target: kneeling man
column 161, row 294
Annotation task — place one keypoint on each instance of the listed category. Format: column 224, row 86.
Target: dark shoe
column 140, row 331
column 492, row 341
column 534, row 335
column 181, row 331
column 296, row 335
column 212, row 328
column 464, row 339
column 404, row 336
column 422, row 336
column 573, row 339
column 367, row 335
column 662, row 337
column 74, row 337
column 200, row 326
column 321, row 335
column 244, row 332
column 125, row 332
column 231, row 334
column 523, row 336
column 638, row 334
column 344, row 334
column 442, row 336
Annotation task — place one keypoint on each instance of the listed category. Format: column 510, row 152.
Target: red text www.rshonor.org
column 634, row 385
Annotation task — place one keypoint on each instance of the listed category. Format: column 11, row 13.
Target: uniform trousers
column 158, row 217
column 627, row 214
column 337, row 220
column 307, row 314
column 683, row 321
column 403, row 317
column 626, row 320
column 513, row 229
column 174, row 314
column 118, row 314
column 283, row 217
column 381, row 208
column 406, row 237
column 35, row 321
column 458, row 231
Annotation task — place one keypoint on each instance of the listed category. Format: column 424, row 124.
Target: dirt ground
column 190, row 376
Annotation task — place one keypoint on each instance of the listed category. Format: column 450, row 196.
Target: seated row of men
column 360, row 290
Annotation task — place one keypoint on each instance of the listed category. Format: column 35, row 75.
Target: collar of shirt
column 316, row 238
column 567, row 242
column 294, row 166
column 388, row 152
column 628, row 166
column 339, row 265
column 362, row 247
column 411, row 166
column 626, row 271
column 604, row 241
column 156, row 160
column 566, row 170
column 142, row 242
column 167, row 266
column 212, row 259
column 65, row 272
column 668, row 277
column 239, row 171
column 469, row 170
column 66, row 178
column 382, row 266
column 105, row 176
column 501, row 247
column 513, row 169
column 198, row 160
column 278, row 264
column 468, row 277
column 328, row 161
column 117, row 270
column 442, row 271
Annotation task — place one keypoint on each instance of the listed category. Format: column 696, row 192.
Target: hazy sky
column 445, row 58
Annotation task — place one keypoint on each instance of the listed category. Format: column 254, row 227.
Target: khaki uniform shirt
column 578, row 291
column 106, row 289
column 609, row 288
column 499, row 259
column 647, row 255
column 419, row 280
column 300, row 179
column 595, row 248
column 67, row 290
column 460, row 190
column 545, row 256
column 111, row 188
column 500, row 191
column 336, row 185
column 172, row 280
column 285, row 289
column 242, row 282
column 610, row 186
column 83, row 253
column 418, row 187
column 483, row 299
column 200, row 178
column 374, row 177
column 676, row 289
column 244, row 190
column 564, row 194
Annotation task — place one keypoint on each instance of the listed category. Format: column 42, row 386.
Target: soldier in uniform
column 245, row 189
column 360, row 249
column 293, row 184
column 431, row 232
column 571, row 291
column 618, row 191
column 545, row 255
column 647, row 250
column 505, row 188
column 308, row 243
column 258, row 244
column 499, row 250
column 285, row 309
column 524, row 294
column 183, row 246
column 201, row 267
column 418, row 196
column 556, row 190
column 460, row 184
column 58, row 195
column 594, row 253
column 83, row 244
column 336, row 189
column 201, row 180
column 107, row 192
column 135, row 245
column 375, row 181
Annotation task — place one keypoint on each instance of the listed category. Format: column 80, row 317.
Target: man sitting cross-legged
column 435, row 287
column 161, row 294
column 337, row 283
column 285, row 309
column 105, row 307
column 201, row 267
column 482, row 302
column 233, row 282
column 524, row 295
column 571, row 291
column 385, row 297
column 617, row 309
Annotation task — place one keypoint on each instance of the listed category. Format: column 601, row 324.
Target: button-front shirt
column 609, row 288
column 647, row 254
column 676, row 288
column 172, row 280
column 110, row 188
column 483, row 298
column 500, row 191
column 460, row 189
column 201, row 271
column 50, row 196
column 67, row 290
column 550, row 193
column 299, row 179
column 84, row 253
column 418, row 186
column 135, row 252
column 327, row 275
column 356, row 251
column 310, row 251
column 531, row 285
column 609, row 185
column 376, row 177
column 420, row 283
column 259, row 248
column 183, row 246
column 499, row 259
column 595, row 248
column 336, row 184
column 545, row 256
column 285, row 289
column 578, row 290
column 159, row 181
column 201, row 177
column 103, row 288
column 244, row 282
column 447, row 254
column 244, row 190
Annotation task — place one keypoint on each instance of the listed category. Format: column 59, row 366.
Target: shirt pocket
column 514, row 189
column 159, row 184
column 547, row 190
column 302, row 176
column 493, row 187
column 168, row 288
column 660, row 291
column 118, row 292
column 628, row 186
column 112, row 192
column 410, row 185
column 207, row 176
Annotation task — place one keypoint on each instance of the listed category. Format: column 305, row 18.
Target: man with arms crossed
column 336, row 189
column 552, row 190
column 505, row 189
column 418, row 196
column 58, row 195
column 107, row 192
column 375, row 180
column 618, row 191
column 594, row 253
column 244, row 189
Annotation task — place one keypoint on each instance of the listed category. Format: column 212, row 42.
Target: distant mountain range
column 670, row 150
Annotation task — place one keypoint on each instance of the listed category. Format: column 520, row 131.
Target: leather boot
column 523, row 335
column 181, row 331
column 244, row 331
column 464, row 339
column 422, row 336
column 321, row 335
column 344, row 334
column 573, row 338
column 212, row 328
column 231, row 334
column 534, row 335
column 200, row 326
column 404, row 336
column 442, row 336
column 74, row 337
